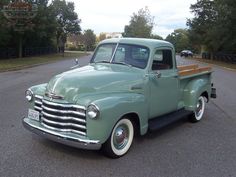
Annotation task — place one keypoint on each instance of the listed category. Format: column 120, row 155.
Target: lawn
column 15, row 64
column 231, row 66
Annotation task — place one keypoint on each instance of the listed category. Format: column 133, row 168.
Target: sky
column 112, row 16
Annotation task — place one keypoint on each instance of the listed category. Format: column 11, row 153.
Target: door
column 163, row 83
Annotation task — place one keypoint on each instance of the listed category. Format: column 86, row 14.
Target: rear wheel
column 120, row 139
column 198, row 113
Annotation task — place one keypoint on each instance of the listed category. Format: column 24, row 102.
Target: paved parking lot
column 207, row 148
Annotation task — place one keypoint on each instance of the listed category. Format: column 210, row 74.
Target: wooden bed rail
column 192, row 69
column 187, row 67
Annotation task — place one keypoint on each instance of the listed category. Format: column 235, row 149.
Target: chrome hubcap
column 121, row 137
column 199, row 108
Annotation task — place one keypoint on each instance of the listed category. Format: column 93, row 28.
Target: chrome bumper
column 69, row 139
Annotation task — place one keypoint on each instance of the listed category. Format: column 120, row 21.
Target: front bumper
column 69, row 139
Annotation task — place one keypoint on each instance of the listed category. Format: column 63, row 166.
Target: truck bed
column 188, row 70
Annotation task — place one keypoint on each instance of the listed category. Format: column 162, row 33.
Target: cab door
column 163, row 83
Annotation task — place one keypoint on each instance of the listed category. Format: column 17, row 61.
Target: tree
column 101, row 37
column 88, row 39
column 140, row 25
column 5, row 34
column 42, row 33
column 74, row 39
column 52, row 24
column 214, row 25
column 225, row 29
column 67, row 20
column 45, row 25
column 201, row 30
column 20, row 21
column 155, row 36
column 179, row 38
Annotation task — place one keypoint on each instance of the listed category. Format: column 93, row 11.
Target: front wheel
column 198, row 113
column 120, row 139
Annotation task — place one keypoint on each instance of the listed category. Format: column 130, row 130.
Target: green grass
column 218, row 63
column 19, row 63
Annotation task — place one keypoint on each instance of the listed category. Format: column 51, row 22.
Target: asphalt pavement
column 183, row 149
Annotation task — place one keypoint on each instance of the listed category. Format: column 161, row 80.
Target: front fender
column 193, row 90
column 39, row 89
column 112, row 107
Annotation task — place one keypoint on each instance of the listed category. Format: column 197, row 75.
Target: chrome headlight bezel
column 92, row 111
column 29, row 95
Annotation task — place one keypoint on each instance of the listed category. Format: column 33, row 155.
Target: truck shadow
column 70, row 151
column 97, row 154
column 164, row 130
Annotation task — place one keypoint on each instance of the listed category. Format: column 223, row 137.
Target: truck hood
column 95, row 79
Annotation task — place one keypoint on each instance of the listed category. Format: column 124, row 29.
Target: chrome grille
column 62, row 117
column 38, row 103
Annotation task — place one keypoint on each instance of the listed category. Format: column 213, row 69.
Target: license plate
column 32, row 114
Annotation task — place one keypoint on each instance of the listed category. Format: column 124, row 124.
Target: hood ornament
column 52, row 95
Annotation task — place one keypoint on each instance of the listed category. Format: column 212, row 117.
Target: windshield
column 126, row 54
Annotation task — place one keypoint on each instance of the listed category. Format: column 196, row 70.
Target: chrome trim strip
column 64, row 117
column 63, row 124
column 114, row 52
column 38, row 96
column 63, row 111
column 53, row 95
column 63, row 130
column 38, row 102
column 38, row 108
column 68, row 139
column 64, row 105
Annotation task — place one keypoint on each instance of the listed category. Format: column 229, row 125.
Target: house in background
column 113, row 35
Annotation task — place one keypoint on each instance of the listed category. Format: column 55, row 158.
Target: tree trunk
column 20, row 46
column 58, row 50
column 211, row 55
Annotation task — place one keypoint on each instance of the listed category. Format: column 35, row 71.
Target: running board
column 162, row 121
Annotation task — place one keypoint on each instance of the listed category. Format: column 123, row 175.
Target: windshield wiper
column 103, row 61
column 122, row 63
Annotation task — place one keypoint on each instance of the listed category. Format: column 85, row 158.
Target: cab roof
column 151, row 43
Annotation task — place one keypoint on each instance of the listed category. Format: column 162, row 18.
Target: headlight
column 92, row 111
column 29, row 95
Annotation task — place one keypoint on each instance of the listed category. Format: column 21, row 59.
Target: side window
column 162, row 59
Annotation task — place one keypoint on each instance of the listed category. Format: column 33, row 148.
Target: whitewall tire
column 120, row 140
column 200, row 109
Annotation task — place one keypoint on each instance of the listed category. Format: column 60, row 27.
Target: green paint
column 118, row 90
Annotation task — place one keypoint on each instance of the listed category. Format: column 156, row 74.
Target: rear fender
column 193, row 90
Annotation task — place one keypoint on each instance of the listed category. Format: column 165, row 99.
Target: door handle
column 158, row 74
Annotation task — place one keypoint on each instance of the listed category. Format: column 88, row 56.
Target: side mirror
column 76, row 64
column 76, row 61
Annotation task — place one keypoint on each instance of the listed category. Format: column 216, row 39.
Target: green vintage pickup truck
column 129, row 87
